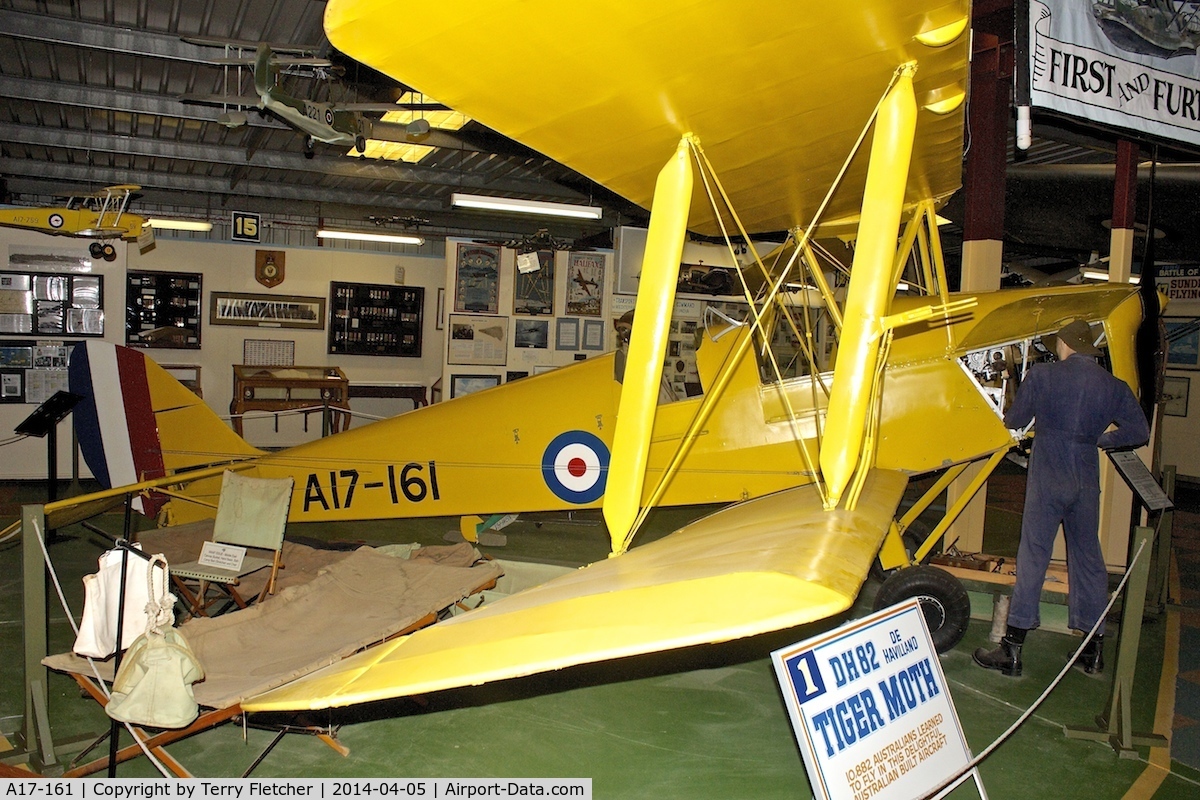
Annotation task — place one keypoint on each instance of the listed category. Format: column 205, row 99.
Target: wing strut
column 869, row 295
column 647, row 344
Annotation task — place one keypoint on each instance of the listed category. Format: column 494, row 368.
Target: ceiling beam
column 102, row 99
column 184, row 189
column 77, row 33
column 356, row 168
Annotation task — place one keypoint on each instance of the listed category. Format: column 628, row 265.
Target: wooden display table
column 410, row 391
column 289, row 388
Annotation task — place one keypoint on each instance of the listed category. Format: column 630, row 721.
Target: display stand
column 43, row 422
column 1115, row 725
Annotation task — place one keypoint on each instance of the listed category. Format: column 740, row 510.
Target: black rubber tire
column 360, row 144
column 944, row 601
column 96, row 249
column 108, row 252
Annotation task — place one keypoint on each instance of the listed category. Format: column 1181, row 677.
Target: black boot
column 1006, row 657
column 1091, row 657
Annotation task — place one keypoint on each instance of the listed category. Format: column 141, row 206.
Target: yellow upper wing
column 777, row 92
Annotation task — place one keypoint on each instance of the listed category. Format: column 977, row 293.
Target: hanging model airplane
column 337, row 124
column 831, row 120
column 99, row 215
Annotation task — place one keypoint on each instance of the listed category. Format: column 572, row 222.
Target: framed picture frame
column 585, row 284
column 162, row 309
column 531, row 333
column 461, row 385
column 477, row 279
column 267, row 310
column 1175, row 395
column 478, row 340
column 593, row 335
column 441, row 309
column 566, row 333
column 370, row 319
column 533, row 284
column 1183, row 342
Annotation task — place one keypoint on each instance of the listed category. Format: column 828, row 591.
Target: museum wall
column 231, row 268
column 504, row 323
column 1180, row 406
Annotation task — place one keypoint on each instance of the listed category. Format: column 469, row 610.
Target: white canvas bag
column 102, row 594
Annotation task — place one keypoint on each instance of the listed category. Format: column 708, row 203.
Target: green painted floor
column 707, row 722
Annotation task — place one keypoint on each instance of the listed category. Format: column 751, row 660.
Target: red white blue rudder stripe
column 115, row 421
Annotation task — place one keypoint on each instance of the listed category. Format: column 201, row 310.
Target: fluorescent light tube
column 362, row 236
column 179, row 224
column 519, row 206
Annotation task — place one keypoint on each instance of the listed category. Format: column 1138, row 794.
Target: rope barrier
column 951, row 783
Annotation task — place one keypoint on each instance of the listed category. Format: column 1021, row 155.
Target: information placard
column 221, row 556
column 871, row 710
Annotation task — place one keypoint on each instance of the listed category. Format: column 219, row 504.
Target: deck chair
column 251, row 513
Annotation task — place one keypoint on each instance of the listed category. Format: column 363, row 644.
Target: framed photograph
column 566, row 334
column 477, row 279
column 1183, row 342
column 532, row 333
column 511, row 376
column 12, row 386
column 585, row 284
column 533, row 288
column 466, row 384
column 477, row 339
column 593, row 335
column 1175, row 396
column 441, row 309
column 267, row 310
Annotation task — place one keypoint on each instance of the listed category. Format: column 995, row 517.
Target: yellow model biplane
column 727, row 118
column 96, row 215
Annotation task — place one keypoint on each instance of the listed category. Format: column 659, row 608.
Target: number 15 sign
column 871, row 710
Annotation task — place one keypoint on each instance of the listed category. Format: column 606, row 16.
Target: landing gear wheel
column 360, row 143
column 96, row 249
column 108, row 252
column 308, row 147
column 944, row 601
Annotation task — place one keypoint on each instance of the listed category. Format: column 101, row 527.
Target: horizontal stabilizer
column 758, row 566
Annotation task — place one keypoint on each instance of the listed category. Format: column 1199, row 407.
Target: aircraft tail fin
column 137, row 422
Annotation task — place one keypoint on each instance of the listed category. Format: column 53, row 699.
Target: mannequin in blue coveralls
column 1074, row 401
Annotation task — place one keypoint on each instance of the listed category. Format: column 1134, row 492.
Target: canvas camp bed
column 364, row 597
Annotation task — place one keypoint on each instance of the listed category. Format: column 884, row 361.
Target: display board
column 376, row 320
column 48, row 304
column 32, row 371
column 162, row 309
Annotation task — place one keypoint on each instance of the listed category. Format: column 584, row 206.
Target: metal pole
column 33, row 572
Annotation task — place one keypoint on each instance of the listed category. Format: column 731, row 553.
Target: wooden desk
column 288, row 388
column 410, row 391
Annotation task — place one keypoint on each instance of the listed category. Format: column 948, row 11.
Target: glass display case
column 275, row 389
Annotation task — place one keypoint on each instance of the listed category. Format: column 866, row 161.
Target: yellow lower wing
column 766, row 564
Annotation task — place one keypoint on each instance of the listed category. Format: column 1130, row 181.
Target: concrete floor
column 707, row 722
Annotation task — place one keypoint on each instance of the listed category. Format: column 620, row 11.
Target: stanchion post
column 36, row 728
column 1116, row 725
column 1160, row 585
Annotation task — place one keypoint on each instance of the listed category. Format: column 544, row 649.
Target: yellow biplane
column 96, row 215
column 727, row 118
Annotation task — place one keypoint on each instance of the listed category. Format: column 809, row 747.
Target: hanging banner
column 1125, row 63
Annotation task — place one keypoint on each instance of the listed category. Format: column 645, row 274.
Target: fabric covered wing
column 762, row 565
column 776, row 92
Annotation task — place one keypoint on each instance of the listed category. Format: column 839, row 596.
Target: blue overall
column 1074, row 401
